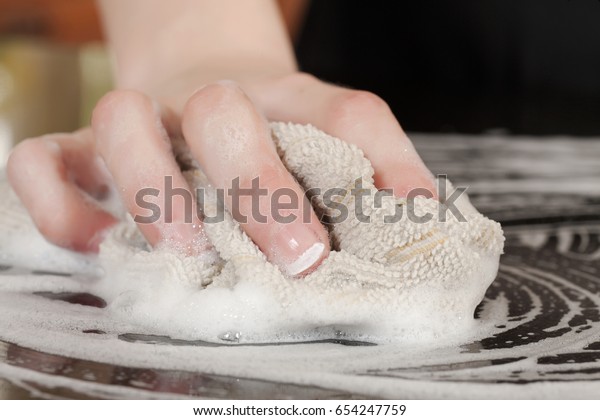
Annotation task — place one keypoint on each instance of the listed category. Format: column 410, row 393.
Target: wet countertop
column 546, row 194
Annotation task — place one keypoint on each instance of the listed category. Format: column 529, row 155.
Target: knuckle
column 33, row 146
column 300, row 79
column 118, row 111
column 355, row 104
column 27, row 152
column 211, row 95
column 23, row 153
column 117, row 103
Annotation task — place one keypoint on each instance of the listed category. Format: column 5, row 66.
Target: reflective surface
column 540, row 319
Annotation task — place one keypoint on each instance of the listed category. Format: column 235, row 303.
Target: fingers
column 132, row 141
column 56, row 177
column 232, row 143
column 358, row 117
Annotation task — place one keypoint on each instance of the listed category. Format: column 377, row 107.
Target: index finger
column 137, row 151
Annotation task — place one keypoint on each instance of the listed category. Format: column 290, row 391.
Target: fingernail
column 296, row 248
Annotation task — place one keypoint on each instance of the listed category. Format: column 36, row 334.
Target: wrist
column 155, row 42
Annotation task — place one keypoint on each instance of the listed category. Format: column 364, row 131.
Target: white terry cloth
column 384, row 282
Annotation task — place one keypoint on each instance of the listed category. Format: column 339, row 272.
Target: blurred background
column 53, row 67
column 529, row 67
column 470, row 66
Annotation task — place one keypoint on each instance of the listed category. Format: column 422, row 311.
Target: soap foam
column 253, row 311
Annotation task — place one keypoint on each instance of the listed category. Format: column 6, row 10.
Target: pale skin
column 214, row 72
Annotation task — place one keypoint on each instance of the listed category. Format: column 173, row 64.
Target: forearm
column 155, row 41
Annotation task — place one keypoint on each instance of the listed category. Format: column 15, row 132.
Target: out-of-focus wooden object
column 293, row 13
column 64, row 21
column 77, row 21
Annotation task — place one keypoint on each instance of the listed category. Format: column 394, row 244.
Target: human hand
column 59, row 177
